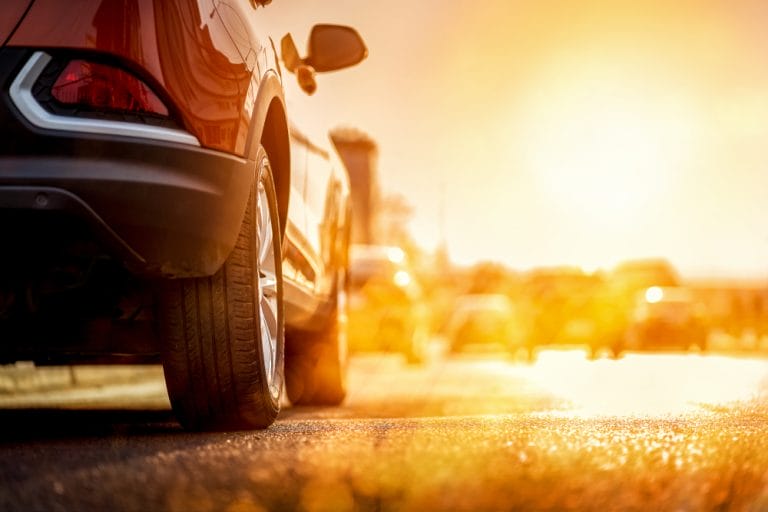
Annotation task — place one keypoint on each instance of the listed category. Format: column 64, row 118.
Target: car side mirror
column 330, row 48
column 334, row 47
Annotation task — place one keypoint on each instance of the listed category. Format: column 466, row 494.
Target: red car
column 154, row 206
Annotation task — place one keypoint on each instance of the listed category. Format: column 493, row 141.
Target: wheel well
column 274, row 138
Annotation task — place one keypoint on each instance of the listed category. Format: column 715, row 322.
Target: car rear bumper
column 162, row 216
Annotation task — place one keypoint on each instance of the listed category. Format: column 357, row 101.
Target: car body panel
column 13, row 12
column 317, row 216
column 191, row 56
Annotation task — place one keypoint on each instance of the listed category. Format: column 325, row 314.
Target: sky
column 558, row 132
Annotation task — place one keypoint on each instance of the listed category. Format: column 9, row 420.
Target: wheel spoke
column 268, row 284
column 268, row 326
column 266, row 240
column 269, row 318
column 268, row 349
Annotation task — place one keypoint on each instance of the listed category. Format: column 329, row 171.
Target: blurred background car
column 485, row 321
column 386, row 306
column 616, row 300
column 667, row 317
column 563, row 307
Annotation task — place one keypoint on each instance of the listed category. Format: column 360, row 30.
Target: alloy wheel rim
column 267, row 289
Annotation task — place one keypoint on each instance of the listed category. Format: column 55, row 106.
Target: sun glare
column 603, row 144
column 653, row 385
column 654, row 294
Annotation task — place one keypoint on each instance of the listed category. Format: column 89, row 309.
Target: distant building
column 360, row 155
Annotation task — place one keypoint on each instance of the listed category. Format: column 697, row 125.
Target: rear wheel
column 316, row 362
column 223, row 335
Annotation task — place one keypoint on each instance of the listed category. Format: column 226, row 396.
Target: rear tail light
column 90, row 95
column 103, row 88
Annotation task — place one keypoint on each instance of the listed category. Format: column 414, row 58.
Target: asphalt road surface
column 475, row 432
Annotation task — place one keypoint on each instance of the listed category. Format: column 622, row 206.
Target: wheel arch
column 269, row 127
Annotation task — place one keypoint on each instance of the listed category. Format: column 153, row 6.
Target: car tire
column 223, row 335
column 316, row 362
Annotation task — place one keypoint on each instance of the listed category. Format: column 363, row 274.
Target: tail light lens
column 101, row 87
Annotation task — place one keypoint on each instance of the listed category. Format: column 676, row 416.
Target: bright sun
column 602, row 145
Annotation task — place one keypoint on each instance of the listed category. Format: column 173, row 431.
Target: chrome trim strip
column 21, row 95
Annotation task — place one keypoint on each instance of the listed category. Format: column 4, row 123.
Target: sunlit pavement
column 471, row 432
column 560, row 383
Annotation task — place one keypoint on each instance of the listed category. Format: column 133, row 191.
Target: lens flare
column 654, row 294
